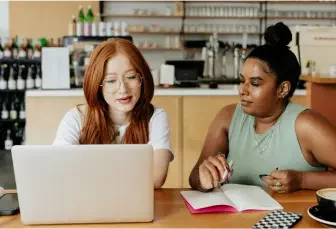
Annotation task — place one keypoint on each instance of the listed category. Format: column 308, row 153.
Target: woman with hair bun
column 272, row 141
column 118, row 89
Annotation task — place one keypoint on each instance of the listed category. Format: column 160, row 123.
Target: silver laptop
column 84, row 183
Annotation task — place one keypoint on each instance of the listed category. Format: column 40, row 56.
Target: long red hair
column 98, row 126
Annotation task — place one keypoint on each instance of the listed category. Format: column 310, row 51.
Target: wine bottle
column 13, row 111
column 20, row 80
column 8, row 141
column 3, row 82
column 11, row 80
column 38, row 80
column 30, row 80
column 22, row 113
column 4, row 112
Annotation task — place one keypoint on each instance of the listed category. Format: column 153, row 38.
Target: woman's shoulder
column 75, row 114
column 159, row 114
column 226, row 114
column 311, row 120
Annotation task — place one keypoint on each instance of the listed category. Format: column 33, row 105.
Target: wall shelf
column 12, row 120
column 20, row 61
column 12, row 91
column 190, row 33
column 160, row 49
column 221, row 17
column 300, row 18
column 300, row 2
column 152, row 32
column 232, row 1
column 141, row 15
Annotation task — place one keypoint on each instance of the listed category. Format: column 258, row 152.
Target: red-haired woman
column 118, row 88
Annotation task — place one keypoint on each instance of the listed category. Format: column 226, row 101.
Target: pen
column 226, row 171
column 225, row 174
column 263, row 175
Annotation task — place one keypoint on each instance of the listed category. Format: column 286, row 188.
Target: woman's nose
column 243, row 89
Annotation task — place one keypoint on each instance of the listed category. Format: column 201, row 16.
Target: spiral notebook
column 230, row 198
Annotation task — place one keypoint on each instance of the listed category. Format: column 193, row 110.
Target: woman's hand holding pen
column 284, row 181
column 212, row 170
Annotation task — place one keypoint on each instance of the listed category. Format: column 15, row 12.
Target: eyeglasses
column 130, row 80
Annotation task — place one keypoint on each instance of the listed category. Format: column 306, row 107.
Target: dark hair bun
column 278, row 35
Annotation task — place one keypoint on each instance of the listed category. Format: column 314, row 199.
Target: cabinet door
column 198, row 113
column 44, row 115
column 303, row 100
column 173, row 106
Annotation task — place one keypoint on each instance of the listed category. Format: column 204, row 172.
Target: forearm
column 318, row 180
column 194, row 178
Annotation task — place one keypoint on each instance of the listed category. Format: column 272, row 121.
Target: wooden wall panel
column 45, row 113
column 48, row 19
column 173, row 106
column 198, row 113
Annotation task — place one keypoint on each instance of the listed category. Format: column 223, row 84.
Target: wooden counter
column 321, row 91
column 170, row 211
column 190, row 112
column 321, row 80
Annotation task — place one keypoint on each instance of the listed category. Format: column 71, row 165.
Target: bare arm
column 317, row 137
column 161, row 165
column 215, row 141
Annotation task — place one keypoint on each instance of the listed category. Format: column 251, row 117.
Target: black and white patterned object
column 278, row 219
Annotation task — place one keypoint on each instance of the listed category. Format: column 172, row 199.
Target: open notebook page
column 248, row 197
column 199, row 200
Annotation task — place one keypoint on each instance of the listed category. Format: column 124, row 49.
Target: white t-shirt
column 68, row 131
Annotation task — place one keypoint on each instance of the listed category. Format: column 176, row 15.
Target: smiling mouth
column 125, row 100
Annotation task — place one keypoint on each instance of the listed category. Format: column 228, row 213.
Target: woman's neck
column 262, row 124
column 120, row 118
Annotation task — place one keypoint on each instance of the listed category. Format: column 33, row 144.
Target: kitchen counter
column 322, row 91
column 202, row 91
column 190, row 112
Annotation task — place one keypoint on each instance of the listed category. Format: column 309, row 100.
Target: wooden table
column 170, row 211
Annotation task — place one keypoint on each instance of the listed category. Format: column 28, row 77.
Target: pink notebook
column 231, row 198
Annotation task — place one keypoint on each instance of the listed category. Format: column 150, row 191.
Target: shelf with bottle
column 12, row 109
column 190, row 33
column 12, row 91
column 17, row 78
column 69, row 40
column 20, row 61
column 299, row 18
column 19, row 48
column 11, row 134
column 263, row 1
column 192, row 1
column 176, row 16
column 141, row 15
column 236, row 1
column 12, row 120
column 89, row 27
column 159, row 49
column 299, row 2
column 224, row 17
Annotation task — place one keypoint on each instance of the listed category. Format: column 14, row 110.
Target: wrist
column 199, row 186
column 302, row 179
column 202, row 189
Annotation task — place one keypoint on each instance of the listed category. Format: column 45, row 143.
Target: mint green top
column 282, row 150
